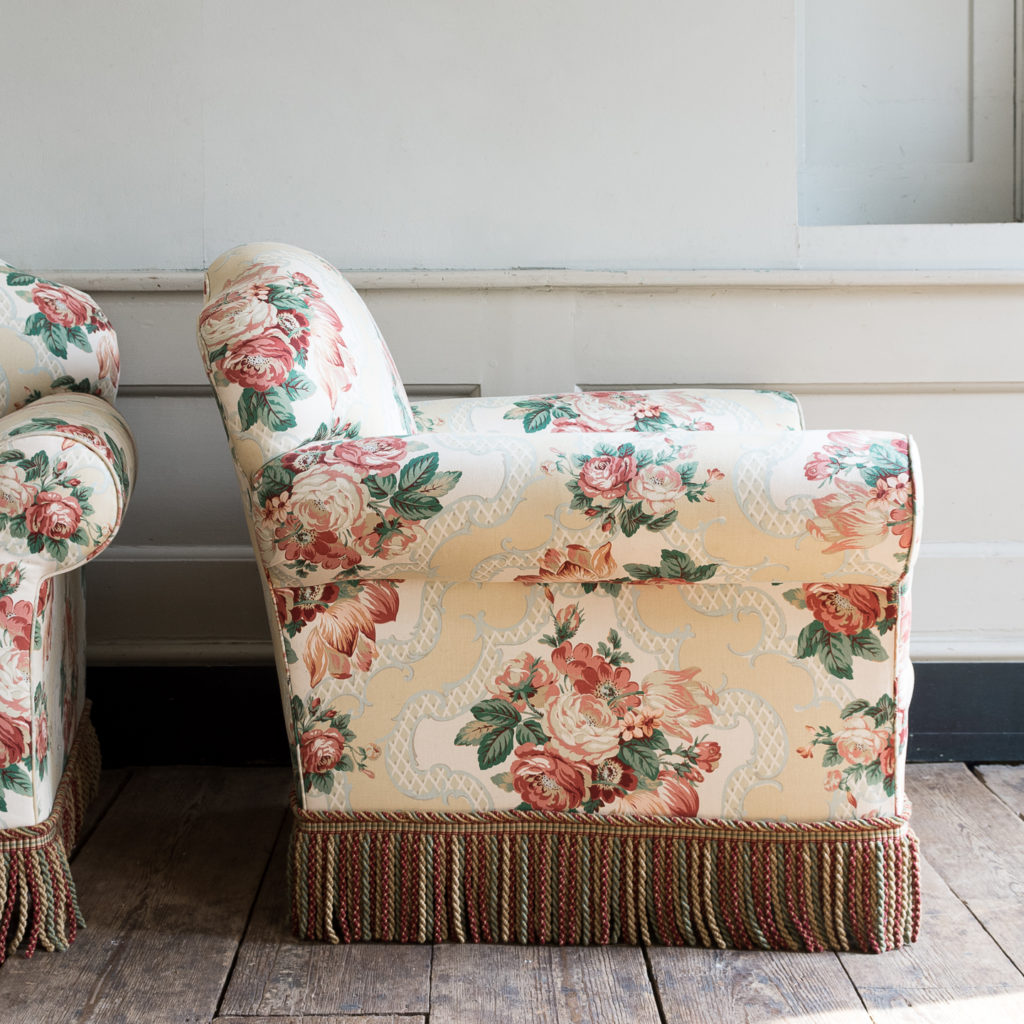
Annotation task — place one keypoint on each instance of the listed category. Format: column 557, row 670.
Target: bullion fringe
column 561, row 878
column 38, row 892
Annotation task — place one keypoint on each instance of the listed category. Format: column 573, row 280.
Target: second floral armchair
column 569, row 668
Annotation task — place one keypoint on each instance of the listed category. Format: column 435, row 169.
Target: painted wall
column 649, row 153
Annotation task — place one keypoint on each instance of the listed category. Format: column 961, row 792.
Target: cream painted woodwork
column 907, row 111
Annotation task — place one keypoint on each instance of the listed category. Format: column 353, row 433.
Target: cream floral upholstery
column 598, row 667
column 66, row 469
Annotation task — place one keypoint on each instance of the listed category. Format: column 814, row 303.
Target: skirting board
column 961, row 712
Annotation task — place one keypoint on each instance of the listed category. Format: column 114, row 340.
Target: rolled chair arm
column 619, row 411
column 67, row 467
column 679, row 506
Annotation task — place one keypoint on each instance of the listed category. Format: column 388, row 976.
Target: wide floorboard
column 181, row 879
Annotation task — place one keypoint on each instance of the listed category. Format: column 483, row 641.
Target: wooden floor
column 181, row 879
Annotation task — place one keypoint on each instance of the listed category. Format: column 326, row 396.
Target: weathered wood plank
column 276, row 974
column 373, row 1019
column 739, row 985
column 111, row 784
column 1006, row 781
column 166, row 883
column 541, row 985
column 953, row 969
column 976, row 844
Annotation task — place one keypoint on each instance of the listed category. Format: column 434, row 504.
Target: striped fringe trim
column 38, row 892
column 536, row 877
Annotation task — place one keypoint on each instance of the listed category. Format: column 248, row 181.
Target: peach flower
column 16, row 494
column 341, row 639
column 658, row 487
column 576, row 564
column 607, row 476
column 529, row 677
column 685, row 702
column 849, row 519
column 859, row 742
column 674, row 797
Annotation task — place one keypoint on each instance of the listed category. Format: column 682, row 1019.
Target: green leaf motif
column 796, row 597
column 866, row 645
column 441, row 484
column 536, row 419
column 832, row 757
column 275, row 479
column 270, row 407
column 472, row 733
column 79, row 338
column 18, row 280
column 297, row 385
column 633, row 517
column 417, row 472
column 15, row 778
column 642, row 756
column 836, row 653
column 664, row 521
column 503, row 780
column 497, row 712
column 414, row 506
column 494, row 747
column 855, row 707
column 810, row 639
column 531, row 731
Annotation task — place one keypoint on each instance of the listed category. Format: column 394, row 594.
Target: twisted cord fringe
column 36, row 887
column 536, row 877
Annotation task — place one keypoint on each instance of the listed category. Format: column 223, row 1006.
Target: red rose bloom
column 320, row 750
column 16, row 619
column 259, row 363
column 845, row 607
column 607, row 476
column 612, row 779
column 545, row 781
column 13, row 739
column 54, row 515
column 62, row 306
column 709, row 754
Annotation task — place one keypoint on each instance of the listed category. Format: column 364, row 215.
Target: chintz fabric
column 593, row 606
column 656, row 602
column 67, row 463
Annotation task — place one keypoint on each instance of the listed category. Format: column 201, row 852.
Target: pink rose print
column 380, row 455
column 607, row 476
column 659, row 488
column 859, row 742
column 581, row 727
column 546, row 781
column 320, row 750
column 526, row 679
column 54, row 515
column 63, row 306
column 16, row 494
column 14, row 739
column 260, row 363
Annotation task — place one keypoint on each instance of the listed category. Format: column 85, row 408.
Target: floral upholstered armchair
column 576, row 668
column 66, row 468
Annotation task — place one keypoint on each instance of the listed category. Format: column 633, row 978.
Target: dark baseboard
column 232, row 715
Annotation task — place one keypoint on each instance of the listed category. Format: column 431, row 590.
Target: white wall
column 649, row 147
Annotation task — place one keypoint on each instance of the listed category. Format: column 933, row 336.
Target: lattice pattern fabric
column 67, row 465
column 674, row 622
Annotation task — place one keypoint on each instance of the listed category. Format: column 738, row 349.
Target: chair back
column 294, row 355
column 52, row 339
